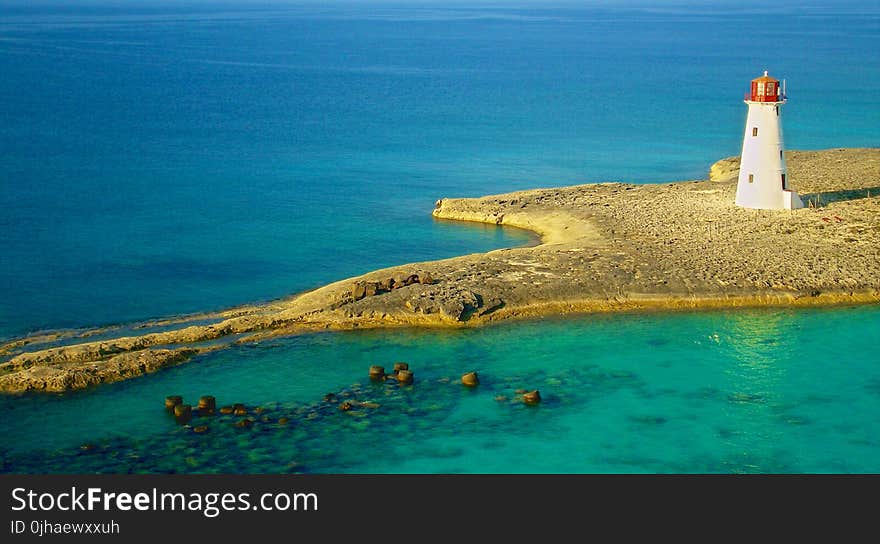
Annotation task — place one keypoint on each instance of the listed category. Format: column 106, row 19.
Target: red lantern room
column 765, row 89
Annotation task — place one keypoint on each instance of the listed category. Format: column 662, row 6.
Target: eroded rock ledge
column 608, row 246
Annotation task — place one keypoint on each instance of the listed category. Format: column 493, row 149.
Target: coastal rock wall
column 555, row 226
column 605, row 247
column 57, row 375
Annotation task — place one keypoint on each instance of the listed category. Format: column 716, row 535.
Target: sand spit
column 605, row 247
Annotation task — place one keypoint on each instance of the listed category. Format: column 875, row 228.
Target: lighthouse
column 762, row 183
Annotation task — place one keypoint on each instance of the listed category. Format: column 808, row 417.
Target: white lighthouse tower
column 762, row 183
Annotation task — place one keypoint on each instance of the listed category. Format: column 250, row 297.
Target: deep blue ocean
column 163, row 158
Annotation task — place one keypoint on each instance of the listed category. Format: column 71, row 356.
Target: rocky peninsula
column 604, row 247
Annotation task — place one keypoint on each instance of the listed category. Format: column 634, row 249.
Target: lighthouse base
column 791, row 200
column 782, row 200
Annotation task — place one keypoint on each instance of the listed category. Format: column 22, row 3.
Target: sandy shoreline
column 604, row 247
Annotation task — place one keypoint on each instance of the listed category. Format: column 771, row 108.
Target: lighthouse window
column 754, row 131
column 783, row 182
column 751, row 178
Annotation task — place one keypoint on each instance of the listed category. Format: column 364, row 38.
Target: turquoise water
column 748, row 391
column 164, row 158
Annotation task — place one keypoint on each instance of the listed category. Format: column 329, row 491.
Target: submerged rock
column 470, row 379
column 532, row 397
column 377, row 373
column 207, row 404
column 405, row 377
column 183, row 413
column 172, row 401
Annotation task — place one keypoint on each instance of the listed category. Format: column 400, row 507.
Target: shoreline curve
column 603, row 247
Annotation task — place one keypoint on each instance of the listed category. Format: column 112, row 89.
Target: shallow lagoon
column 751, row 391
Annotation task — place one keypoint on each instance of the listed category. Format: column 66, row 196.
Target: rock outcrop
column 605, row 247
column 59, row 375
column 725, row 170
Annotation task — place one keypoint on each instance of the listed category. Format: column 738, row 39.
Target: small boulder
column 182, row 413
column 491, row 305
column 532, row 397
column 377, row 373
column 172, row 401
column 458, row 305
column 405, row 377
column 470, row 379
column 358, row 290
column 207, row 404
